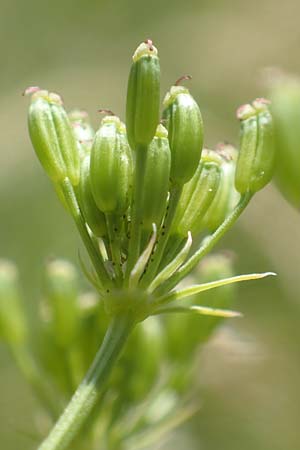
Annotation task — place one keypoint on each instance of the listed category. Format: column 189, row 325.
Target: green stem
column 163, row 237
column 137, row 210
column 71, row 200
column 91, row 387
column 113, row 228
column 207, row 245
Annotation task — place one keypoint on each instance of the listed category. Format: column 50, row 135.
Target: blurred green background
column 250, row 371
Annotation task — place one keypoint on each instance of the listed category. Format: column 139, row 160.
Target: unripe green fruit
column 263, row 164
column 183, row 120
column 53, row 138
column 285, row 107
column 111, row 167
column 248, row 144
column 93, row 216
column 256, row 158
column 198, row 195
column 156, row 179
column 143, row 96
column 227, row 196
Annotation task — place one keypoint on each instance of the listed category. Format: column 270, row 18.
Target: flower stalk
column 90, row 389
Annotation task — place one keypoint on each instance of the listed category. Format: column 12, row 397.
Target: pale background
column 251, row 395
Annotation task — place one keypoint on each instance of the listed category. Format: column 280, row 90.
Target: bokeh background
column 250, row 384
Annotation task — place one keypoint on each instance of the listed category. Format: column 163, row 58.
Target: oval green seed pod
column 256, row 159
column 201, row 192
column 13, row 327
column 143, row 96
column 62, row 300
column 285, row 108
column 93, row 216
column 185, row 126
column 227, row 196
column 156, row 179
column 53, row 138
column 263, row 164
column 248, row 145
column 111, row 167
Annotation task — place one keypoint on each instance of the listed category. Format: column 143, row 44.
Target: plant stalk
column 137, row 210
column 96, row 259
column 88, row 392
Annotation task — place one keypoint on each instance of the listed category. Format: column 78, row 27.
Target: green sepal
column 143, row 260
column 182, row 118
column 173, row 265
column 202, row 310
column 156, row 179
column 111, row 167
column 196, row 289
column 93, row 216
column 53, row 138
column 143, row 96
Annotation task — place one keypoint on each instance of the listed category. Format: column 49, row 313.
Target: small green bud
column 93, row 216
column 62, row 300
column 13, row 327
column 198, row 195
column 111, row 167
column 52, row 137
column 255, row 163
column 83, row 131
column 143, row 95
column 156, row 179
column 185, row 126
column 227, row 196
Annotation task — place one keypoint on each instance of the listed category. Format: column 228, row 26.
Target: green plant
column 284, row 92
column 149, row 205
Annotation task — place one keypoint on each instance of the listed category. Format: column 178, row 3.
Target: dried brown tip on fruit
column 182, row 78
column 106, row 111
